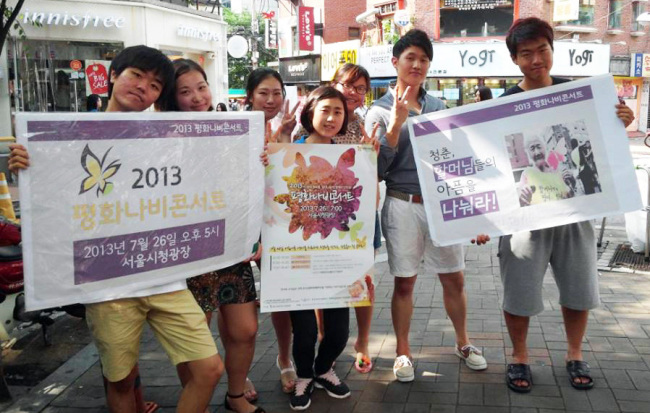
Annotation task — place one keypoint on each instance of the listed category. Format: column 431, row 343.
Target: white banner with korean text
column 319, row 225
column 533, row 160
column 114, row 203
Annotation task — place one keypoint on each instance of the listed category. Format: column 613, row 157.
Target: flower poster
column 319, row 222
column 539, row 159
column 114, row 203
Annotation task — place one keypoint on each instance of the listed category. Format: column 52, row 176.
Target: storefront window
column 458, row 92
column 469, row 86
column 47, row 79
column 615, row 11
column 586, row 13
column 475, row 18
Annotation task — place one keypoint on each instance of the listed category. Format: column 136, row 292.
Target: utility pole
column 255, row 29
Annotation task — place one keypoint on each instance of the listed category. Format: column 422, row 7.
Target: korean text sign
column 548, row 157
column 114, row 203
column 319, row 223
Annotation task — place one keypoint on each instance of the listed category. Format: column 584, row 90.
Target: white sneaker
column 473, row 357
column 403, row 369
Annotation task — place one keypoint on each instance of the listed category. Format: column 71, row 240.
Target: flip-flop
column 287, row 376
column 519, row 371
column 250, row 394
column 579, row 369
column 362, row 363
column 150, row 407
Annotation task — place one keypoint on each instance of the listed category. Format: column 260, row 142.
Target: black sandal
column 579, row 369
column 516, row 372
column 226, row 405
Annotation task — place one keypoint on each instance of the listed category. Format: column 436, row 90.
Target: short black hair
column 484, row 92
column 414, row 37
column 257, row 76
column 92, row 102
column 222, row 107
column 318, row 94
column 525, row 30
column 146, row 59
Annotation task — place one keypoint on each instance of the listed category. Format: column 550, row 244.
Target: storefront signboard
column 334, row 55
column 192, row 32
column 306, row 28
column 85, row 20
column 492, row 60
column 271, row 33
column 565, row 10
column 300, row 70
column 640, row 66
column 402, row 18
column 475, row 4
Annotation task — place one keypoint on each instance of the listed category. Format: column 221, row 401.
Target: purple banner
column 469, row 206
column 106, row 258
column 133, row 129
column 506, row 110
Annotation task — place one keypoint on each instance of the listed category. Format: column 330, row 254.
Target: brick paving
column 617, row 346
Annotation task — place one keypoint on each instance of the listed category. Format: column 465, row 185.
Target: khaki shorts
column 406, row 231
column 176, row 319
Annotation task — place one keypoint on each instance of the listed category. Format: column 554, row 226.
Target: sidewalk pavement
column 617, row 346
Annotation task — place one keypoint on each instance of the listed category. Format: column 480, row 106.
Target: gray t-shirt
column 396, row 166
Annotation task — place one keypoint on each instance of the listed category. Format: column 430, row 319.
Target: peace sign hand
column 289, row 120
column 400, row 109
column 372, row 139
column 398, row 115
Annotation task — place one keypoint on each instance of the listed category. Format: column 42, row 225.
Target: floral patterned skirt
column 231, row 285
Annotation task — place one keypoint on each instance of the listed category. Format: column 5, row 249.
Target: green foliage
column 239, row 69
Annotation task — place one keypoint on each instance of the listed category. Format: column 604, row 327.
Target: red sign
column 97, row 79
column 75, row 65
column 306, row 28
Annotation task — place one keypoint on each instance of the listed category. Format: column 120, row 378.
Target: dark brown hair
column 322, row 93
column 350, row 73
column 525, row 30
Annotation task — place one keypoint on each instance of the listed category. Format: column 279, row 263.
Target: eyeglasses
column 362, row 90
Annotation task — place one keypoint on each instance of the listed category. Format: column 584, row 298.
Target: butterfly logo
column 98, row 174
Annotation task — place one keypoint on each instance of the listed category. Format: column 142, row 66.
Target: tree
column 239, row 69
column 8, row 18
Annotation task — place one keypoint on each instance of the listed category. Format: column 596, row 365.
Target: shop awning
column 381, row 82
column 236, row 93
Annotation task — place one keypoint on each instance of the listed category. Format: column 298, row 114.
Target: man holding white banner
column 139, row 77
column 570, row 249
column 404, row 221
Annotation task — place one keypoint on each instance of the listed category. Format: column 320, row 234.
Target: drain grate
column 625, row 257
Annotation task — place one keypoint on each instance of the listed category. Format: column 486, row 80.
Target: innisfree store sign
column 85, row 20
